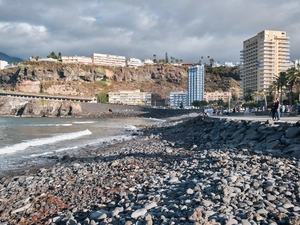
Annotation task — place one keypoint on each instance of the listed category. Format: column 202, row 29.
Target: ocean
column 33, row 141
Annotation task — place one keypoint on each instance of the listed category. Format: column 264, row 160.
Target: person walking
column 277, row 107
column 273, row 110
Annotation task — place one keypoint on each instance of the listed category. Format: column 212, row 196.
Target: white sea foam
column 84, row 122
column 43, row 141
column 52, row 125
column 158, row 120
column 51, row 152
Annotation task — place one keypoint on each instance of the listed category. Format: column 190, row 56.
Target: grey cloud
column 185, row 29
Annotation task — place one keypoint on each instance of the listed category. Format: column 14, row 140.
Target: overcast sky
column 185, row 29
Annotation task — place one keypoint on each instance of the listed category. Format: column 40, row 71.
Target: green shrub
column 99, row 70
column 102, row 97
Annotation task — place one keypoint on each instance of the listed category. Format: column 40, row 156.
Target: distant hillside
column 9, row 59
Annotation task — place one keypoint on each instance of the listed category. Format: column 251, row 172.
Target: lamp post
column 228, row 101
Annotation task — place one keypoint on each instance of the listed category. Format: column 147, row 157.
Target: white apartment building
column 216, row 64
column 3, row 64
column 176, row 99
column 215, row 96
column 135, row 97
column 229, row 64
column 195, row 84
column 77, row 59
column 148, row 61
column 108, row 60
column 263, row 57
column 134, row 62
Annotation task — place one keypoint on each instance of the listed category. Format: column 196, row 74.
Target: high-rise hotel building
column 196, row 83
column 263, row 57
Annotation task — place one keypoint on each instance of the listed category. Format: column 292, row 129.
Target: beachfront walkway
column 283, row 119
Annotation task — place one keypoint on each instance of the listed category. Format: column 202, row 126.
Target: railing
column 48, row 97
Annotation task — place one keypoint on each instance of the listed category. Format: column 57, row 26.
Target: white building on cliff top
column 3, row 64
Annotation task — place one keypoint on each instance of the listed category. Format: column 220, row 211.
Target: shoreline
column 183, row 171
column 33, row 168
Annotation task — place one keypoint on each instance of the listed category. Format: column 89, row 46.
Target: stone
column 139, row 213
column 292, row 132
column 190, row 191
column 23, row 208
column 95, row 215
column 150, row 205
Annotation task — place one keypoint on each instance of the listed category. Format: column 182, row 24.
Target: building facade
column 195, row 84
column 3, row 64
column 108, row 60
column 135, row 97
column 77, row 59
column 215, row 96
column 148, row 61
column 134, row 62
column 177, row 99
column 263, row 57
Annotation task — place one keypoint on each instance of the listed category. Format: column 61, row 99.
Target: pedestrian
column 273, row 110
column 277, row 108
column 283, row 108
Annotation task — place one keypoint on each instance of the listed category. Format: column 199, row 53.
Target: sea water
column 34, row 140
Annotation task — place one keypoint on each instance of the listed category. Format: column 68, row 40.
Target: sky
column 184, row 29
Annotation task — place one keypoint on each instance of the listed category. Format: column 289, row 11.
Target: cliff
column 57, row 78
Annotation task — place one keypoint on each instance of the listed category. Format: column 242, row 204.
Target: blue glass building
column 196, row 84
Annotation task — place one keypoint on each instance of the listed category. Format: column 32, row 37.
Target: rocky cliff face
column 37, row 107
column 88, row 80
column 57, row 78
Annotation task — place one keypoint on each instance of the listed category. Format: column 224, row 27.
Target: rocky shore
column 190, row 170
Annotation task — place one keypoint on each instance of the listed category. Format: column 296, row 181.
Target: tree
column 211, row 61
column 154, row 58
column 102, row 97
column 293, row 76
column 198, row 103
column 52, row 55
column 220, row 102
column 263, row 94
column 172, row 59
column 281, row 82
column 167, row 59
column 248, row 95
column 59, row 56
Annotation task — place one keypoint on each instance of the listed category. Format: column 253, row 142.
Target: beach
column 190, row 169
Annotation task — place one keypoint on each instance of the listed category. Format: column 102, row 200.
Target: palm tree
column 262, row 93
column 281, row 82
column 248, row 95
column 272, row 90
column 293, row 76
column 211, row 61
column 154, row 56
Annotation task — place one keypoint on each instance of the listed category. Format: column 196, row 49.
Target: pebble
column 173, row 173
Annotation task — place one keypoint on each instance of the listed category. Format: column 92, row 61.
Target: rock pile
column 277, row 138
column 192, row 172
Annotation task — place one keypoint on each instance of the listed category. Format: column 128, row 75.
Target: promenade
column 283, row 119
